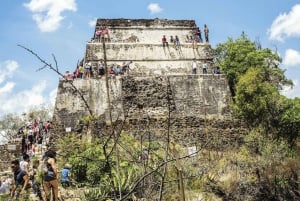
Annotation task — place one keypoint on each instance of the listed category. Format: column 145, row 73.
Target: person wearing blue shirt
column 66, row 175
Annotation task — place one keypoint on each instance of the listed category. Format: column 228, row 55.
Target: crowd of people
column 36, row 171
column 195, row 38
column 173, row 40
column 33, row 135
column 204, row 66
column 102, row 33
column 89, row 71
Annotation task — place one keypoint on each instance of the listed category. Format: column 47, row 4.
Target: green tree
column 289, row 125
column 235, row 57
column 255, row 78
column 257, row 100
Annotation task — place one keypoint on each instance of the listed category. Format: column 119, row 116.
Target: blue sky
column 62, row 28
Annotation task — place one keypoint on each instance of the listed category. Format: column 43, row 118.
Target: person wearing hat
column 66, row 175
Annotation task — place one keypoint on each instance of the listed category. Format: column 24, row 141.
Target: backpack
column 47, row 171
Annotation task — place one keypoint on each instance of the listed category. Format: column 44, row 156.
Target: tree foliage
column 255, row 78
column 237, row 56
column 256, row 100
column 289, row 125
column 92, row 166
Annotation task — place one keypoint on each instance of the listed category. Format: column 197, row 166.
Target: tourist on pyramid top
column 98, row 34
column 126, row 67
column 87, row 70
column 76, row 73
column 217, row 70
column 194, row 66
column 204, row 68
column 198, row 34
column 177, row 42
column 172, row 39
column 68, row 75
column 101, row 68
column 164, row 41
column 118, row 70
column 111, row 70
column 81, row 71
column 206, row 31
column 105, row 34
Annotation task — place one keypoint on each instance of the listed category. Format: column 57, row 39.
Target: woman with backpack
column 50, row 181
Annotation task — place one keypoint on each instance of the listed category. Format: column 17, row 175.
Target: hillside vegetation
column 263, row 164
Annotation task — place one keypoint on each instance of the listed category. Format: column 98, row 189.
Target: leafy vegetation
column 255, row 80
column 265, row 166
column 236, row 57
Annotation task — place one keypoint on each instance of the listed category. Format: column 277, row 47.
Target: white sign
column 11, row 147
column 192, row 151
column 68, row 129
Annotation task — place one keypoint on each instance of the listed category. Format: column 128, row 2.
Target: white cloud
column 292, row 92
column 7, row 69
column 92, row 23
column 52, row 96
column 17, row 102
column 48, row 13
column 291, row 58
column 22, row 101
column 286, row 25
column 154, row 8
column 7, row 88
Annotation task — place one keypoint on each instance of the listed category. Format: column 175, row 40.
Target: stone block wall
column 203, row 96
column 8, row 155
column 150, row 59
column 140, row 40
column 146, row 30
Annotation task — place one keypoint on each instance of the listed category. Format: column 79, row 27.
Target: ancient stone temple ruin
column 159, row 86
column 141, row 42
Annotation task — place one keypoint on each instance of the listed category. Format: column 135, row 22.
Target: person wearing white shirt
column 204, row 68
column 194, row 66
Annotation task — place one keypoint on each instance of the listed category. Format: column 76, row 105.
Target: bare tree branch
column 59, row 73
column 155, row 170
column 45, row 66
column 54, row 58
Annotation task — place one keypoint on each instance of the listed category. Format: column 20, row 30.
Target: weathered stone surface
column 139, row 40
column 204, row 96
column 159, row 95
column 7, row 155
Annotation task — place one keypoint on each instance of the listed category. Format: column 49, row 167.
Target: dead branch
column 46, row 64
